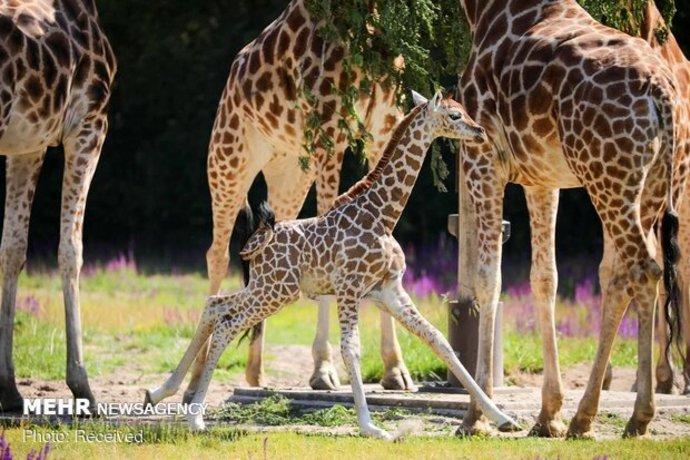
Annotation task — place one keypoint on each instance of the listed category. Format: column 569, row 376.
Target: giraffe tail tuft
column 671, row 254
column 245, row 229
column 247, row 226
column 665, row 105
column 266, row 216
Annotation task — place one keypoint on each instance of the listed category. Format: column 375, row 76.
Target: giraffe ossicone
column 348, row 252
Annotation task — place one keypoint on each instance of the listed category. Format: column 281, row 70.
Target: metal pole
column 463, row 318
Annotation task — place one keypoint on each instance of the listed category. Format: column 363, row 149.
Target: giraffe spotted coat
column 679, row 64
column 348, row 252
column 259, row 127
column 56, row 70
column 568, row 102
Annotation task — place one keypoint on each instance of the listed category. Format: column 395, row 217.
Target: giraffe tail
column 246, row 226
column 245, row 229
column 665, row 107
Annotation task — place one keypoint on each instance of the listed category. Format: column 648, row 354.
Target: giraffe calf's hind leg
column 172, row 384
column 254, row 373
column 325, row 375
column 396, row 376
column 399, row 304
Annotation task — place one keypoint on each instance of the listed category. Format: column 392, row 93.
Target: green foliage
column 627, row 15
column 434, row 41
column 427, row 34
column 276, row 410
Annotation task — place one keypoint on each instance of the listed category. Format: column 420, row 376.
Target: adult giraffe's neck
column 394, row 177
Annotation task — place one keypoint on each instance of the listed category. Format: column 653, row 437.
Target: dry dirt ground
column 290, row 366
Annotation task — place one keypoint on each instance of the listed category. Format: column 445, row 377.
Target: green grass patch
column 164, row 442
column 151, row 318
column 276, row 410
column 682, row 418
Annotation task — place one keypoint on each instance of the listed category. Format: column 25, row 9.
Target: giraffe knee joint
column 543, row 284
column 12, row 259
column 648, row 271
column 70, row 258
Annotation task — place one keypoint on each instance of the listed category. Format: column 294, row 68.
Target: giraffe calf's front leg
column 348, row 312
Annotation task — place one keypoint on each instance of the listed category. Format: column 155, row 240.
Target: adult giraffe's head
column 448, row 118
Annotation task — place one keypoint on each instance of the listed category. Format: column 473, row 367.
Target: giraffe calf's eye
column 455, row 116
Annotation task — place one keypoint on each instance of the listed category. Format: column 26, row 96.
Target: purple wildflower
column 29, row 304
column 123, row 262
column 5, row 451
column 40, row 455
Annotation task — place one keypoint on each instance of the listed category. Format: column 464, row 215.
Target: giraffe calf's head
column 448, row 118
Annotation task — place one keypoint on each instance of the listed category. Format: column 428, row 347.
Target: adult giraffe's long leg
column 543, row 206
column 82, row 151
column 22, row 173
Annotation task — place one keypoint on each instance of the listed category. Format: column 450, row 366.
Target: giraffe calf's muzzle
column 480, row 135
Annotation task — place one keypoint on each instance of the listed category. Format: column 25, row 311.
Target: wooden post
column 463, row 317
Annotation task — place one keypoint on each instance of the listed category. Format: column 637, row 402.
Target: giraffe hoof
column 11, row 401
column 478, row 428
column 196, row 423
column 664, row 387
column 635, row 428
column 686, row 390
column 372, row 431
column 548, row 429
column 148, row 400
column 580, row 429
column 398, row 378
column 325, row 378
column 509, row 427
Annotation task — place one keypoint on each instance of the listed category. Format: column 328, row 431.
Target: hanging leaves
column 434, row 40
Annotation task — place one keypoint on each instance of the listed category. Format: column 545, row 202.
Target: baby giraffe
column 348, row 252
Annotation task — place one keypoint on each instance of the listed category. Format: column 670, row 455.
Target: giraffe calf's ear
column 258, row 241
column 437, row 99
column 418, row 99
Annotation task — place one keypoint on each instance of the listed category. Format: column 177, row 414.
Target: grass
column 147, row 321
column 153, row 317
column 683, row 418
column 277, row 411
column 163, row 441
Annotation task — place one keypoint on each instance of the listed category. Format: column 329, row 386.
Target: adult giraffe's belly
column 550, row 173
column 538, row 161
column 22, row 135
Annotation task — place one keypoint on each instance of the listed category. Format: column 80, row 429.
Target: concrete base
column 516, row 401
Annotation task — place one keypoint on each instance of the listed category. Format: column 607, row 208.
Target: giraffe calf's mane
column 364, row 183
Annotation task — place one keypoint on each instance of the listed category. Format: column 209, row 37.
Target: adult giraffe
column 259, row 126
column 568, row 102
column 673, row 55
column 57, row 68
